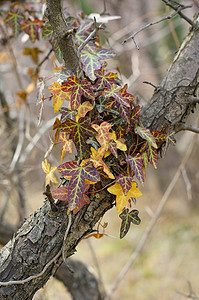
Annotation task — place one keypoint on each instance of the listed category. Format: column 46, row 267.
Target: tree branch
column 63, row 33
column 41, row 237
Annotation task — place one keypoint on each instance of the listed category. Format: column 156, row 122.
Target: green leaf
column 115, row 92
column 146, row 135
column 90, row 62
column 80, row 131
column 47, row 32
column 128, row 218
column 56, row 49
column 152, row 155
column 170, row 140
column 76, row 186
column 137, row 163
column 14, row 19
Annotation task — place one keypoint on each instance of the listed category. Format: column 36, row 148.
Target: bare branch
column 176, row 8
column 182, row 126
column 153, row 23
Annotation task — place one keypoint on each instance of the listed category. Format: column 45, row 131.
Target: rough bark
column 41, row 237
column 74, row 274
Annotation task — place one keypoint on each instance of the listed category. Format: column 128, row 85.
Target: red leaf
column 77, row 89
column 32, row 28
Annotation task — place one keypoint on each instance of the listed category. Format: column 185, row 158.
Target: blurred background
column 168, row 264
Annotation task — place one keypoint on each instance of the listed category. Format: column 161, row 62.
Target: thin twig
column 35, row 140
column 191, row 294
column 5, row 204
column 153, row 23
column 65, row 237
column 90, row 37
column 182, row 126
column 18, row 150
column 180, row 11
column 154, row 219
column 48, row 194
column 43, row 60
column 6, row 283
column 187, row 184
column 97, row 266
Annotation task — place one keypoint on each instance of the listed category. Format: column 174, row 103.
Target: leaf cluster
column 97, row 118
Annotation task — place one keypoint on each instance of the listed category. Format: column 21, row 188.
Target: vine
column 97, row 119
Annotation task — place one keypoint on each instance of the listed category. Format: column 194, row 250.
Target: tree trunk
column 40, row 239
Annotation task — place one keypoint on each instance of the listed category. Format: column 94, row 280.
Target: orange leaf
column 58, row 95
column 96, row 158
column 67, row 145
column 103, row 134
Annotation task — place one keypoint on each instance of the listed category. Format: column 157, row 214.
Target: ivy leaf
column 170, row 140
column 32, row 28
column 83, row 31
column 56, row 49
column 113, row 148
column 101, row 106
column 77, row 89
column 79, row 132
column 104, row 81
column 62, row 73
column 103, row 133
column 76, row 185
column 66, row 114
column 128, row 218
column 125, row 182
column 96, row 159
column 104, row 54
column 159, row 136
column 137, row 162
column 152, row 155
column 85, row 200
column 33, row 52
column 49, row 172
column 67, row 145
column 124, row 112
column 146, row 135
column 47, row 32
column 90, row 62
column 13, row 19
column 121, row 198
column 61, row 193
column 83, row 109
column 115, row 92
column 129, row 97
column 119, row 142
column 58, row 95
column 135, row 113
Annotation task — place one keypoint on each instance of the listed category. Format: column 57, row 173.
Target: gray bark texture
column 41, row 237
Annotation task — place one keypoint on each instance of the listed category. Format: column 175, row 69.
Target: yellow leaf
column 49, row 172
column 96, row 158
column 121, row 199
column 119, row 144
column 58, row 95
column 83, row 109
